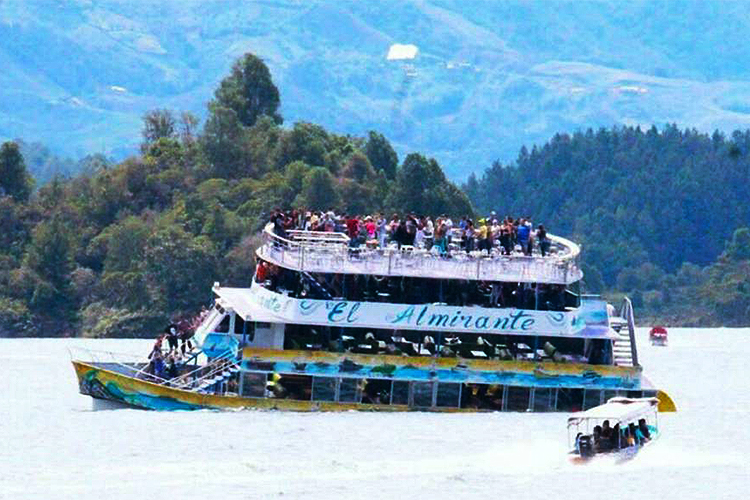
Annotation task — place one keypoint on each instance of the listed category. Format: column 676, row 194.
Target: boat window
column 239, row 325
column 592, row 398
column 635, row 394
column 376, row 391
column 422, row 394
column 349, row 390
column 517, row 398
column 569, row 400
column 254, row 385
column 448, row 395
column 413, row 290
column 544, row 399
column 324, row 389
column 223, row 327
column 482, row 396
column 400, row 394
column 297, row 387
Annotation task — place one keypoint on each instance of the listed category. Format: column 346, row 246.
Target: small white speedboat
column 619, row 429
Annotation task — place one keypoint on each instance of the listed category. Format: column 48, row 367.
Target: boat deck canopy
column 617, row 409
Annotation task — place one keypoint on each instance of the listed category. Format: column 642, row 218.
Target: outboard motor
column 585, row 446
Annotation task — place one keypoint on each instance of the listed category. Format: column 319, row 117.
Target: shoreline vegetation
column 119, row 250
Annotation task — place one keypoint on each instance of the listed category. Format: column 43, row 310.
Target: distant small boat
column 658, row 336
column 620, row 428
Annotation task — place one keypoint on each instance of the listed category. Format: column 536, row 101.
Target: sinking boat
column 327, row 326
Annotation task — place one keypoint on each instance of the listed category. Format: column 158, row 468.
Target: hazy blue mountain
column 489, row 77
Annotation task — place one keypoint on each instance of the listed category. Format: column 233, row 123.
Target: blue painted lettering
column 404, row 316
column 336, row 311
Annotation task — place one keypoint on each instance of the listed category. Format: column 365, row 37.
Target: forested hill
column 652, row 209
column 120, row 249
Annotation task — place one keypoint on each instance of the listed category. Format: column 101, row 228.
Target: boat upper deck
column 326, row 252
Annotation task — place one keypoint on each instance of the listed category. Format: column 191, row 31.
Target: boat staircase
column 209, row 377
column 624, row 351
column 316, row 286
column 219, row 372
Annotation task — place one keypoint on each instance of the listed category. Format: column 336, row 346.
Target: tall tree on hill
column 421, row 187
column 158, row 124
column 222, row 140
column 381, row 154
column 15, row 180
column 249, row 91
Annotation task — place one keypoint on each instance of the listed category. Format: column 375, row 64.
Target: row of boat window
column 408, row 290
column 420, row 343
column 446, row 344
column 423, row 394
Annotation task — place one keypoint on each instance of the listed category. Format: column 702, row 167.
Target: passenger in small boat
column 597, row 437
column 606, row 443
column 628, row 439
column 644, row 429
column 634, row 433
column 614, row 441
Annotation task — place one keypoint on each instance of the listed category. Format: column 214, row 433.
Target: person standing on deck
column 382, row 231
column 524, row 233
column 544, row 243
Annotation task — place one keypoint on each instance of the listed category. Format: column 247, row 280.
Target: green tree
column 15, row 180
column 739, row 246
column 358, row 168
column 249, row 91
column 158, row 124
column 381, row 154
column 318, row 190
column 306, row 142
column 420, row 186
column 179, row 270
column 50, row 258
column 223, row 138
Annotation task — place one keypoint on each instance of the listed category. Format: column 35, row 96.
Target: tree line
column 661, row 214
column 120, row 249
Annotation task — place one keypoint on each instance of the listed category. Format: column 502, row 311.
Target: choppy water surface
column 54, row 445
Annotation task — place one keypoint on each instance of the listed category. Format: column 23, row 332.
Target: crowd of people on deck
column 508, row 235
column 607, row 438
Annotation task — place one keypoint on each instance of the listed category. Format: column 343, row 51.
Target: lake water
column 55, row 446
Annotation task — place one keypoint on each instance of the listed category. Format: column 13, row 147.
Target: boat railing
column 133, row 365
column 331, row 253
column 128, row 364
column 626, row 312
column 195, row 378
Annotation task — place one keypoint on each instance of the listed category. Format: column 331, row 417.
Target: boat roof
column 617, row 409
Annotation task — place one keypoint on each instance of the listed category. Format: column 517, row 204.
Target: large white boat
column 329, row 326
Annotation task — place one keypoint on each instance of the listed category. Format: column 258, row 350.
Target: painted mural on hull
column 91, row 383
column 453, row 370
column 588, row 321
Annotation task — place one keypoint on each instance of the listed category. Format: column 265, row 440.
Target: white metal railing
column 332, row 254
column 134, row 366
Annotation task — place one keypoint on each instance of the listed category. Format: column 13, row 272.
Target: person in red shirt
column 352, row 226
column 261, row 271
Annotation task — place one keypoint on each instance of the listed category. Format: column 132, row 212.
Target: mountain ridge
column 488, row 78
